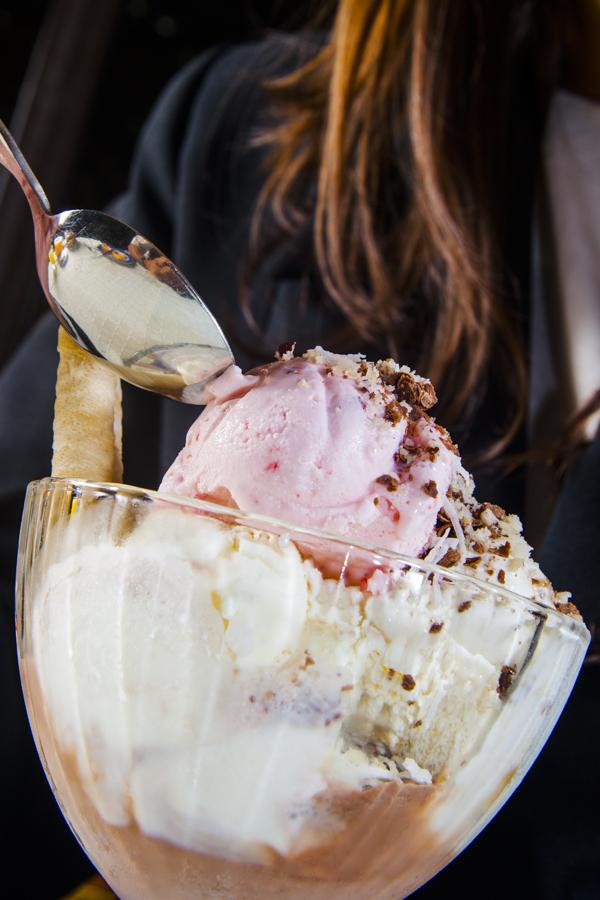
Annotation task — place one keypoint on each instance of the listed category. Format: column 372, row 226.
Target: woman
column 374, row 190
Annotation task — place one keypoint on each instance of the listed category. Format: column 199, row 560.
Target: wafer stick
column 87, row 416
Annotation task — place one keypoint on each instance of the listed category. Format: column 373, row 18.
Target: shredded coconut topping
column 391, row 382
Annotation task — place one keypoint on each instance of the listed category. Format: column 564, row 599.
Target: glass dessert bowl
column 227, row 706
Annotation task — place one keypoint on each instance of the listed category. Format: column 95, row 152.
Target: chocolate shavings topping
column 394, row 412
column 430, row 488
column 284, row 349
column 389, row 481
column 505, row 679
column 450, row 558
column 503, row 550
column 417, row 393
column 408, row 682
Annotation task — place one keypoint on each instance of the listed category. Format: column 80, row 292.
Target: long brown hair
column 399, row 138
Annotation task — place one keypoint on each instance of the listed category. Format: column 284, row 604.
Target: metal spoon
column 119, row 296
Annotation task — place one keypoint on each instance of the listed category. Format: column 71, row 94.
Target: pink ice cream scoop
column 326, row 442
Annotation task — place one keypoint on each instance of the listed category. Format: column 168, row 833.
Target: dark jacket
column 193, row 188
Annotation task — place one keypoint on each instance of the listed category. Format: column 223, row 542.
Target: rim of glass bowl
column 270, row 523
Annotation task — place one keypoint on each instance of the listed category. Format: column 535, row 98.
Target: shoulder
column 211, row 90
column 198, row 138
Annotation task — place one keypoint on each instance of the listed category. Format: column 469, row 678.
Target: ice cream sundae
column 311, row 665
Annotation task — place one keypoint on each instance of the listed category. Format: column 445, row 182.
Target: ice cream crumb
column 414, row 772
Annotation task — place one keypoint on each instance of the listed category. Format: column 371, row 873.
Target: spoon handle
column 13, row 160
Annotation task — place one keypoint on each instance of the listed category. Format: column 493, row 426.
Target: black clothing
column 193, row 189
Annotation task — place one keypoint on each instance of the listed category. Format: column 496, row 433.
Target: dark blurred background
column 77, row 80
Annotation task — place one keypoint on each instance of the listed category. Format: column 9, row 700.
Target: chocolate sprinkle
column 287, row 347
column 435, row 627
column 505, row 679
column 442, row 523
column 450, row 558
column 394, row 413
column 408, row 682
column 389, row 481
column 308, row 660
column 417, row 393
column 496, row 510
column 464, row 605
column 503, row 550
column 430, row 488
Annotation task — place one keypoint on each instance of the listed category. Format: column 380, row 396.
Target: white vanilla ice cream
column 211, row 683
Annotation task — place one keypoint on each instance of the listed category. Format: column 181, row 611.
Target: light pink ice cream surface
column 311, row 441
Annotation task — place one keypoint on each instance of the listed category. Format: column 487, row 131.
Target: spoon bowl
column 119, row 297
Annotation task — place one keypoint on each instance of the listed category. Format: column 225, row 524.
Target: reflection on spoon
column 120, row 297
